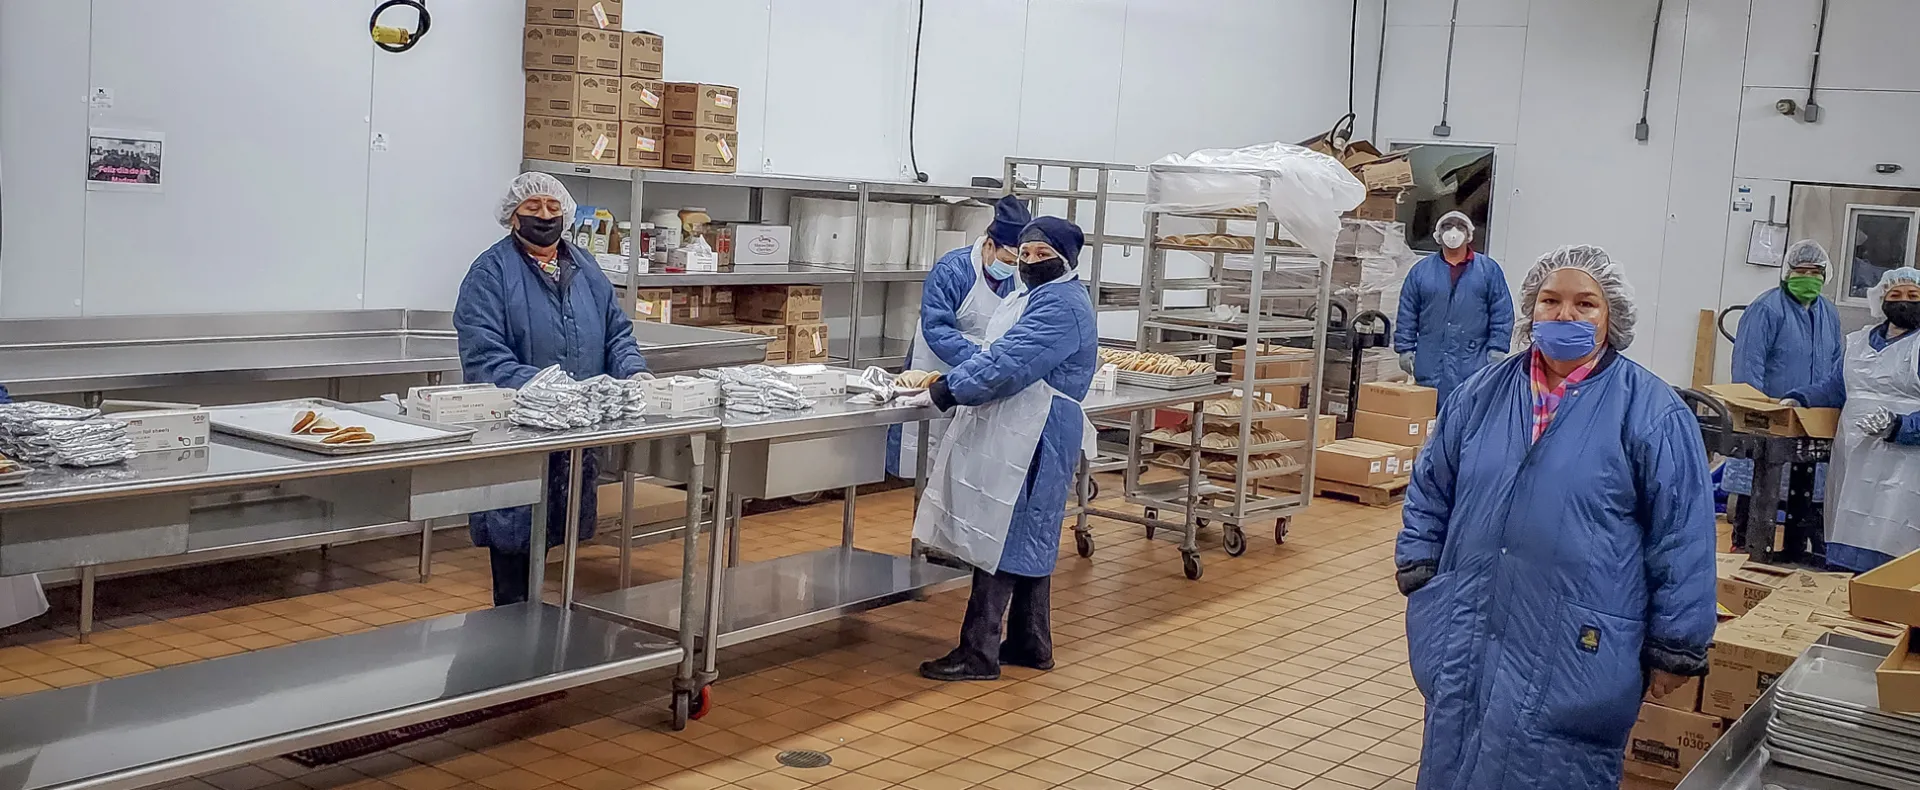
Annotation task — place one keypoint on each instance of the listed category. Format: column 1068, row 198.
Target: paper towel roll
column 888, row 234
column 823, row 230
column 970, row 220
column 923, row 246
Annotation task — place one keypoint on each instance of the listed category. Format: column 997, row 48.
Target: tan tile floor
column 1283, row 668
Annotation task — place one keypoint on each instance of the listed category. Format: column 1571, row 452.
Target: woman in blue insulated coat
column 530, row 301
column 1456, row 314
column 1018, row 435
column 1558, row 548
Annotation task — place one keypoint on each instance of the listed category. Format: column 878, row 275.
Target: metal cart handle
column 1721, row 322
column 1707, row 408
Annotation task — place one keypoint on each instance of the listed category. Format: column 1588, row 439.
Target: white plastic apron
column 21, row 599
column 1873, row 497
column 980, row 466
column 976, row 310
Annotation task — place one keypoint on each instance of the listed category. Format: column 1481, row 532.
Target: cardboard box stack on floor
column 1397, row 413
column 702, row 122
column 572, row 53
column 1891, row 593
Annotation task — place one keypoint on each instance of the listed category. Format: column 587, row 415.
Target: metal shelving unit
column 881, row 350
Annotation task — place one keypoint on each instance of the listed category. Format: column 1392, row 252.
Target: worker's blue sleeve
column 4, row 397
column 1047, row 333
column 1676, row 500
column 1423, row 530
column 1828, row 393
column 623, row 353
column 1499, row 315
column 1406, row 328
column 946, row 289
column 1908, row 430
column 480, row 322
column 1759, row 330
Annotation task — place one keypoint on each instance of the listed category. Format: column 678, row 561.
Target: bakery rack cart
column 1213, row 283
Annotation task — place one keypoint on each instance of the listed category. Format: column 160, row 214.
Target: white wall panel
column 1780, row 36
column 1070, row 96
column 432, row 194
column 265, row 175
column 1869, row 45
column 43, row 155
column 1488, row 67
column 1505, row 13
column 1858, row 130
column 837, row 80
column 971, row 66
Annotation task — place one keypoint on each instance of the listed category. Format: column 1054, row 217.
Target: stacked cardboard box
column 1386, row 176
column 1891, row 593
column 1396, row 413
column 572, row 55
column 1364, row 462
column 702, row 123
column 1786, row 610
column 1289, row 364
column 797, row 308
column 702, row 306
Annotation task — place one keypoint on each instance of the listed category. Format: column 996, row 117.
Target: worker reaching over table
column 960, row 295
column 531, row 301
column 1558, row 547
column 997, row 489
column 1873, row 489
column 1456, row 314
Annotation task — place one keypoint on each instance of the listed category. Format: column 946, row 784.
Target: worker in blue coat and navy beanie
column 997, row 489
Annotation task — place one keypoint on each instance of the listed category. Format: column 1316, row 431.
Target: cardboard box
column 776, row 350
column 457, row 405
column 807, row 342
column 706, row 306
column 551, row 94
column 701, row 150
column 1667, row 743
column 701, row 105
column 1400, row 399
column 596, row 142
column 1399, row 459
column 1754, row 412
column 642, row 144
column 816, row 381
column 643, row 99
column 1378, row 207
column 1284, row 397
column 780, row 304
column 601, row 14
column 1295, row 428
column 163, row 431
column 1355, row 462
column 547, row 138
column 1393, row 429
column 1300, row 366
column 1745, row 660
column 1889, row 593
column 755, row 245
column 1742, row 584
column 596, row 97
column 1389, row 173
column 681, row 394
column 652, row 504
column 576, row 49
column 656, row 305
column 643, row 54
column 1899, row 676
column 1686, row 698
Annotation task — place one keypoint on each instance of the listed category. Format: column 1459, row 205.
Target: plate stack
column 1827, row 720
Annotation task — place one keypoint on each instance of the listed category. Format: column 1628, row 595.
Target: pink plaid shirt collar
column 1546, row 400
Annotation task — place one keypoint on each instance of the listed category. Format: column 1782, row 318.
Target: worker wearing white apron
column 997, row 490
column 1873, row 485
column 960, row 295
column 21, row 598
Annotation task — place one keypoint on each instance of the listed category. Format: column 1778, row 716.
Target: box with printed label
column 1685, row 698
column 681, row 394
column 160, row 431
column 807, row 342
column 596, row 97
column 602, row 14
column 1745, row 660
column 1393, row 429
column 701, row 105
column 702, row 307
column 551, row 94
column 1295, row 428
column 1296, row 365
column 644, row 54
column 780, row 304
column 1400, row 399
column 1754, row 412
column 463, row 404
column 776, row 350
column 1356, row 462
column 656, row 305
column 1742, row 584
column 755, row 245
column 642, row 144
column 816, row 381
column 642, row 99
column 701, row 150
column 547, row 138
column 577, row 49
column 1667, row 743
column 596, row 142
column 1400, row 459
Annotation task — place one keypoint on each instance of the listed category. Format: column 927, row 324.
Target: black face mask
column 1905, row 315
column 1044, row 271
column 538, row 231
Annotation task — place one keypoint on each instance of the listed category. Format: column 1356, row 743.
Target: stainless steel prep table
column 189, row 719
column 1738, row 761
column 1132, row 399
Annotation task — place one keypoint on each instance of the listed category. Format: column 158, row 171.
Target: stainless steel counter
column 1739, row 760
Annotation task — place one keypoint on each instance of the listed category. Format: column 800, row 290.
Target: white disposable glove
column 641, row 376
column 1790, row 402
column 917, row 400
column 1406, row 362
column 1875, row 423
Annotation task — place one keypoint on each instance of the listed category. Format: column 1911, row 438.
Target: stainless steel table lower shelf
column 159, row 726
column 762, row 599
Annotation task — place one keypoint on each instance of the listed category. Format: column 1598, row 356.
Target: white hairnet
column 528, row 185
column 1806, row 252
column 1450, row 220
column 1877, row 297
column 1621, row 312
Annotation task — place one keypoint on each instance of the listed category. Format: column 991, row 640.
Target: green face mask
column 1804, row 287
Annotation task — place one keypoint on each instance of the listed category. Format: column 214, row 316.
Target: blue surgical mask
column 1565, row 341
column 999, row 271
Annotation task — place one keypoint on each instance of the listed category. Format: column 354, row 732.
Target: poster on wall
column 126, row 161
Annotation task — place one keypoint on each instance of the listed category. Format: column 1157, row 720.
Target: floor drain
column 804, row 758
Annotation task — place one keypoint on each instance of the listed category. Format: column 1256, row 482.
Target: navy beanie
column 1009, row 216
column 1063, row 236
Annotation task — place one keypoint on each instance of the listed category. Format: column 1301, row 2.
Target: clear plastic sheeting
column 1306, row 191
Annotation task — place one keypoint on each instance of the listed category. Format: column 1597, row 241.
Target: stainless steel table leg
column 733, row 509
column 92, row 400
column 426, row 550
column 684, row 682
column 626, row 526
column 433, row 378
column 852, row 495
column 87, row 577
column 1190, row 546
column 920, row 462
column 570, row 553
column 537, row 550
column 723, row 525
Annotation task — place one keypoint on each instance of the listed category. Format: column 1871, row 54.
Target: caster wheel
column 1234, row 541
column 1201, row 523
column 1153, row 512
column 1191, row 564
column 691, row 707
column 805, row 499
column 702, row 704
column 1280, row 530
column 1093, row 490
column 1083, row 543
